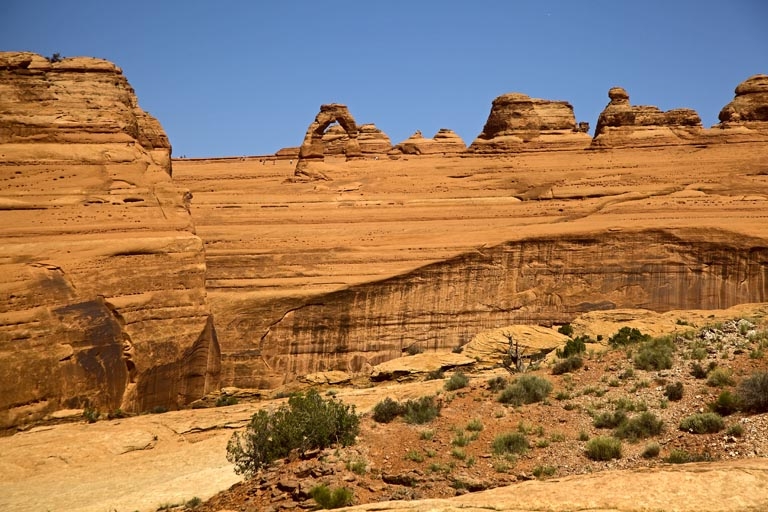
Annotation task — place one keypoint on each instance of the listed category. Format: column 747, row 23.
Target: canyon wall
column 102, row 277
column 443, row 305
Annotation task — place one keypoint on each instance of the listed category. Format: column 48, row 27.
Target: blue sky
column 247, row 77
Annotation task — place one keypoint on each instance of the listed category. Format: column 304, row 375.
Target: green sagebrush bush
column 306, row 422
column 604, row 448
column 527, row 389
column 571, row 363
column 626, row 336
column 655, row 354
column 328, row 498
column 753, row 392
column 457, row 381
column 387, row 410
column 702, row 423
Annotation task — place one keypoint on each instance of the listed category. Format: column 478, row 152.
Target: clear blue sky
column 247, row 77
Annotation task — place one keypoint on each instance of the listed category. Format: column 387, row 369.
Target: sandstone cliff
column 621, row 124
column 371, row 139
column 445, row 142
column 519, row 123
column 103, row 299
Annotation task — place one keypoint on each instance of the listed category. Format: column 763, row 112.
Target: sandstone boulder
column 102, row 287
column 534, row 342
column 445, row 141
column 518, row 122
column 621, row 124
column 750, row 104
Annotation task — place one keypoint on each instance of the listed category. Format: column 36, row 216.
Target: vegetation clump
column 527, row 389
column 328, row 498
column 496, row 384
column 510, row 443
column 571, row 363
column 604, row 448
column 457, row 381
column 726, row 404
column 655, row 354
column 422, row 410
column 702, row 423
column 387, row 410
column 306, row 422
column 674, row 392
column 627, row 336
column 573, row 347
column 753, row 392
column 642, row 426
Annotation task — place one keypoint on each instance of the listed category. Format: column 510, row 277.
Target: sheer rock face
column 621, row 124
column 102, row 277
column 518, row 123
column 443, row 305
column 445, row 141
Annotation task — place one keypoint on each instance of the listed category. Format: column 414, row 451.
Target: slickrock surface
column 445, row 142
column 102, row 298
column 429, row 251
column 518, row 122
column 622, row 124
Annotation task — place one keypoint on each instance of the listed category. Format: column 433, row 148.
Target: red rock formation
column 313, row 148
column 621, row 124
column 750, row 104
column 445, row 141
column 371, row 140
column 102, row 298
column 519, row 123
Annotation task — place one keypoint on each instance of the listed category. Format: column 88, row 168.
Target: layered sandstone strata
column 102, row 276
column 518, row 122
column 445, row 142
column 745, row 119
column 622, row 124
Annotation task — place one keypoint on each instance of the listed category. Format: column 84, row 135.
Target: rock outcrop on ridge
column 371, row 140
column 622, row 124
column 750, row 104
column 518, row 122
column 445, row 141
column 313, row 148
column 102, row 283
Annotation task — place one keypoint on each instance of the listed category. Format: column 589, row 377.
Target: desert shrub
column 510, row 443
column 527, row 389
column 457, row 381
column 719, row 377
column 567, row 365
column 56, row 57
column 626, row 336
column 678, row 456
column 651, row 450
column 726, row 403
column 642, row 426
column 305, row 422
column 159, row 409
column 475, row 425
column 674, row 392
column 91, row 414
column 610, row 419
column 420, row 411
column 496, row 384
column 604, row 448
column 194, row 502
column 698, row 371
column 328, row 498
column 117, row 414
column 702, row 423
column 735, row 430
column 461, row 439
column 435, row 374
column 566, row 329
column 225, row 400
column 753, row 392
column 573, row 347
column 414, row 456
column 414, row 349
column 358, row 467
column 656, row 354
column 540, row 471
column 387, row 410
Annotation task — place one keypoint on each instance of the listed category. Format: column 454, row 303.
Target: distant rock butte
column 518, row 122
column 371, row 140
column 102, row 278
column 621, row 124
column 445, row 141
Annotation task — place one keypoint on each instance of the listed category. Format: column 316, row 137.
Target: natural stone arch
column 312, row 148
